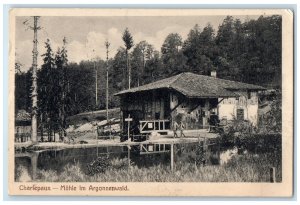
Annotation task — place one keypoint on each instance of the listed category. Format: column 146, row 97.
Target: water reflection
column 28, row 163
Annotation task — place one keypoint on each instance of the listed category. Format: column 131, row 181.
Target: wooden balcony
column 148, row 126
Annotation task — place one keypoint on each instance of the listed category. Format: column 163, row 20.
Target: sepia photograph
column 105, row 102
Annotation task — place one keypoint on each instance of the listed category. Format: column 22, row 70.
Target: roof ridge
column 222, row 79
column 175, row 78
column 164, row 79
column 232, row 81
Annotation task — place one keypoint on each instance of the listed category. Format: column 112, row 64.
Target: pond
column 28, row 165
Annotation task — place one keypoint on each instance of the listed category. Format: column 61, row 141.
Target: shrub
column 271, row 122
column 246, row 136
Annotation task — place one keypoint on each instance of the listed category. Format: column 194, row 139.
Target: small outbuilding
column 22, row 126
column 188, row 99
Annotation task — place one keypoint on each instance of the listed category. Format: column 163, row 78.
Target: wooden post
column 153, row 105
column 129, row 69
column 205, row 148
column 219, row 150
column 162, row 109
column 121, row 114
column 128, row 155
column 96, row 84
column 107, row 44
column 97, row 139
column 128, row 128
column 272, row 175
column 34, row 162
column 205, row 143
column 128, row 169
column 172, row 157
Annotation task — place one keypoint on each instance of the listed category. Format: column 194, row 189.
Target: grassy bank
column 241, row 168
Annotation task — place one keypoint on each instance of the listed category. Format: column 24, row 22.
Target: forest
column 247, row 51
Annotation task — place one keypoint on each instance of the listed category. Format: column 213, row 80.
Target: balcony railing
column 148, row 126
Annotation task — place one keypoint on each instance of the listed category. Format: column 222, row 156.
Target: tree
column 53, row 93
column 172, row 44
column 200, row 50
column 47, row 92
column 191, row 48
column 23, row 83
column 224, row 38
column 208, row 50
column 225, row 43
column 118, row 74
column 256, row 51
column 153, row 68
column 18, row 66
column 141, row 53
column 150, row 52
column 128, row 42
column 172, row 56
column 61, row 62
column 81, row 87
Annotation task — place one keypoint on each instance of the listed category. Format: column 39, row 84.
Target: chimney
column 213, row 73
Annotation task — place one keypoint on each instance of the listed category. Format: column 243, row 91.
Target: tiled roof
column 22, row 115
column 197, row 86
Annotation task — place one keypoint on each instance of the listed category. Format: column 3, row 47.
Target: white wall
column 228, row 107
column 173, row 100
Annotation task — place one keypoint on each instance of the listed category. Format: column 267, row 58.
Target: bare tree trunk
column 129, row 69
column 41, row 128
column 96, row 85
column 34, row 84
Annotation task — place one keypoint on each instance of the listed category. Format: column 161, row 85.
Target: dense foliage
column 247, row 51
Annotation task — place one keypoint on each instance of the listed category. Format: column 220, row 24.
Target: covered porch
column 161, row 110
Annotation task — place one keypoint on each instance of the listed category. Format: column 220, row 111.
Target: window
column 240, row 114
column 249, row 94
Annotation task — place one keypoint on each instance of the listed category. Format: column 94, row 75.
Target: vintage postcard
column 151, row 102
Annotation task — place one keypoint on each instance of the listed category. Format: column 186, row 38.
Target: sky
column 86, row 35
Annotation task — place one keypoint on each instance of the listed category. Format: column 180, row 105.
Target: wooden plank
column 149, row 131
column 128, row 156
column 153, row 104
column 154, row 152
column 172, row 157
column 272, row 175
column 145, row 123
column 144, row 148
column 157, row 147
column 162, row 109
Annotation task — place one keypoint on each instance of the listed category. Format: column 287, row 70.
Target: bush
column 246, row 136
column 271, row 121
